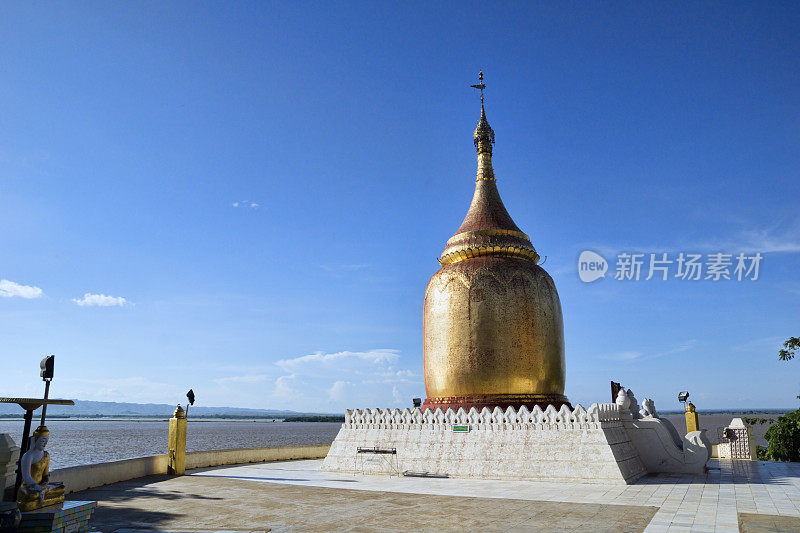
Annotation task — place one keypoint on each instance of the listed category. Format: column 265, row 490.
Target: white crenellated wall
column 565, row 445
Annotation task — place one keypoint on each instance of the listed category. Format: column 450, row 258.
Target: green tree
column 783, row 438
column 787, row 352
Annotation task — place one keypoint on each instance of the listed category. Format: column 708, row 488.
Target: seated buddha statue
column 37, row 490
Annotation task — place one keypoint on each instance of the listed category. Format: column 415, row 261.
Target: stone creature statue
column 622, row 401
column 37, row 490
column 697, row 450
column 634, row 404
column 648, row 408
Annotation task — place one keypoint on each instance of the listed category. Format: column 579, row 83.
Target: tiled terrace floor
column 707, row 503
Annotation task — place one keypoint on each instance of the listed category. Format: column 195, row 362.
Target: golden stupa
column 492, row 326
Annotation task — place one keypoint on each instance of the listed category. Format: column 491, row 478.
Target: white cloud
column 100, row 300
column 624, row 356
column 761, row 345
column 767, row 241
column 136, row 389
column 636, row 354
column 251, row 378
column 324, row 382
column 246, row 204
column 393, row 376
column 377, row 356
column 338, row 392
column 284, row 391
column 9, row 289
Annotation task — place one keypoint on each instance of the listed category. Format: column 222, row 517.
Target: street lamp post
column 46, row 373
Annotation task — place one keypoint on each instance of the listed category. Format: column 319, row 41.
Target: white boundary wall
column 78, row 478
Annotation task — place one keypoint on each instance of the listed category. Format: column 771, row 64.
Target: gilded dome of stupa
column 492, row 325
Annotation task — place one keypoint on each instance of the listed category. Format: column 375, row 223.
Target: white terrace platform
column 709, row 502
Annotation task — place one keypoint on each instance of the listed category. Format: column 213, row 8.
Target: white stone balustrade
column 564, row 418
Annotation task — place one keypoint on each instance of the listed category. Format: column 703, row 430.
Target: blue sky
column 249, row 198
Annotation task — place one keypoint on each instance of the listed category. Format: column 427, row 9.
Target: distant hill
column 88, row 408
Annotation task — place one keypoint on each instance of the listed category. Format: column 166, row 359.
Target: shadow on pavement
column 254, row 478
column 129, row 517
column 141, row 488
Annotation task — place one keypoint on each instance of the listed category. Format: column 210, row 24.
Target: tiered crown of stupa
column 488, row 229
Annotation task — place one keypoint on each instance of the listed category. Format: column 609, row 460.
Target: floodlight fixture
column 46, row 366
column 417, row 402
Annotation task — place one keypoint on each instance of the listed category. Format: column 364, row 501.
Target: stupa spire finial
column 480, row 86
column 484, row 139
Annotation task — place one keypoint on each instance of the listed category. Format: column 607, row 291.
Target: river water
column 79, row 442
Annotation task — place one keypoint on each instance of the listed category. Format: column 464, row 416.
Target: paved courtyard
column 296, row 496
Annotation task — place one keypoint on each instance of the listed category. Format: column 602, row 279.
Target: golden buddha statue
column 37, row 490
column 492, row 326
